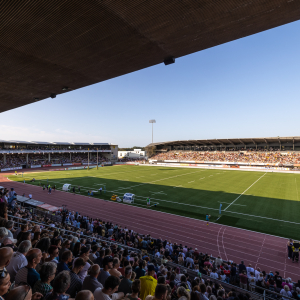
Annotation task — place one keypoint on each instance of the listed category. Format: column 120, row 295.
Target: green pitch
column 259, row 201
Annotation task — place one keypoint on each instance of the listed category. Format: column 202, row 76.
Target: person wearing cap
column 84, row 254
column 107, row 265
column 148, row 283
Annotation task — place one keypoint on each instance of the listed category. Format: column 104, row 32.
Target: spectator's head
column 94, row 270
column 136, row 286
column 161, row 280
column 53, row 251
column 85, row 295
column 84, row 253
column 161, row 292
column 128, row 271
column 24, row 227
column 107, row 262
column 67, row 256
column 5, row 256
column 182, row 292
column 286, row 288
column 3, row 232
column 151, row 270
column 116, row 263
column 61, row 282
column 78, row 265
column 202, row 288
column 48, row 271
column 4, row 282
column 9, row 224
column 36, row 228
column 34, row 257
column 24, row 247
column 43, row 244
column 111, row 284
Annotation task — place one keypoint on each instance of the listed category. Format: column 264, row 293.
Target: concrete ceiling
column 48, row 45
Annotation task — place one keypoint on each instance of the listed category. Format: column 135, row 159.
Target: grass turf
column 258, row 201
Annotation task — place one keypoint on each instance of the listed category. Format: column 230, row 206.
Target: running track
column 260, row 250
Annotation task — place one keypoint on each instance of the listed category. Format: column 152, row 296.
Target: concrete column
column 4, row 158
column 256, row 146
column 27, row 158
column 49, row 158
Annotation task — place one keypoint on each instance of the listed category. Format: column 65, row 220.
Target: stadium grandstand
column 16, row 155
column 281, row 152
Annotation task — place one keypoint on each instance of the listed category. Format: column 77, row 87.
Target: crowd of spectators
column 274, row 157
column 84, row 258
column 17, row 160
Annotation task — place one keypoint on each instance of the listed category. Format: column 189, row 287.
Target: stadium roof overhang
column 51, row 47
column 53, row 143
column 231, row 142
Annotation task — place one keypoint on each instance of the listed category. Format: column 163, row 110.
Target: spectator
column 76, row 283
column 114, row 271
column 18, row 260
column 148, row 283
column 66, row 258
column 126, row 283
column 84, row 254
column 107, row 265
column 84, row 295
column 90, row 282
column 47, row 274
column 182, row 294
column 53, row 254
column 110, row 287
column 140, row 270
column 201, row 293
column 135, row 287
column 60, row 285
column 23, row 292
column 285, row 292
column 28, row 273
column 242, row 267
column 243, row 280
column 4, row 282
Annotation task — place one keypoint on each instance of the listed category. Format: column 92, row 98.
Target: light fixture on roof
column 65, row 88
column 53, row 95
column 36, row 99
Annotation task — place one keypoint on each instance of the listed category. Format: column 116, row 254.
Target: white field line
column 296, row 189
column 191, row 181
column 232, row 204
column 244, row 191
column 223, row 244
column 260, row 252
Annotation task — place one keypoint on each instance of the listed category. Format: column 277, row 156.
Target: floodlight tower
column 152, row 121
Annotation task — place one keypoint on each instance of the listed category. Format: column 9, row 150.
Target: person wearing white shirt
column 18, row 259
column 214, row 274
column 85, row 255
column 110, row 287
column 257, row 273
column 249, row 270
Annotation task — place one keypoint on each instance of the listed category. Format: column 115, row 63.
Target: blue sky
column 246, row 88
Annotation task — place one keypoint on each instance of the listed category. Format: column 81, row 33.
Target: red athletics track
column 261, row 250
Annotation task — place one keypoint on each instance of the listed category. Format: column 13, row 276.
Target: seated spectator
column 111, row 285
column 135, row 288
column 53, row 254
column 66, row 258
column 182, row 294
column 84, row 254
column 28, row 273
column 60, row 285
column 23, row 291
column 126, row 283
column 243, row 280
column 285, row 292
column 4, row 282
column 76, row 283
column 114, row 271
column 47, row 274
column 18, row 260
column 90, row 282
column 85, row 295
column 104, row 273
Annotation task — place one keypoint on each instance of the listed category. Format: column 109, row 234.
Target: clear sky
column 246, row 88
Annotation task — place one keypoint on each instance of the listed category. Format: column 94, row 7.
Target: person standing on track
column 49, row 190
column 290, row 250
column 207, row 219
column 44, row 187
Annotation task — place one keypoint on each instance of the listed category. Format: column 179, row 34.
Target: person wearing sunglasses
column 23, row 292
column 4, row 282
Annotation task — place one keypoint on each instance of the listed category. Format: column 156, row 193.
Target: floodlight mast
column 152, row 121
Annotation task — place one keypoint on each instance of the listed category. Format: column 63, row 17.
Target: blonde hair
column 286, row 288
